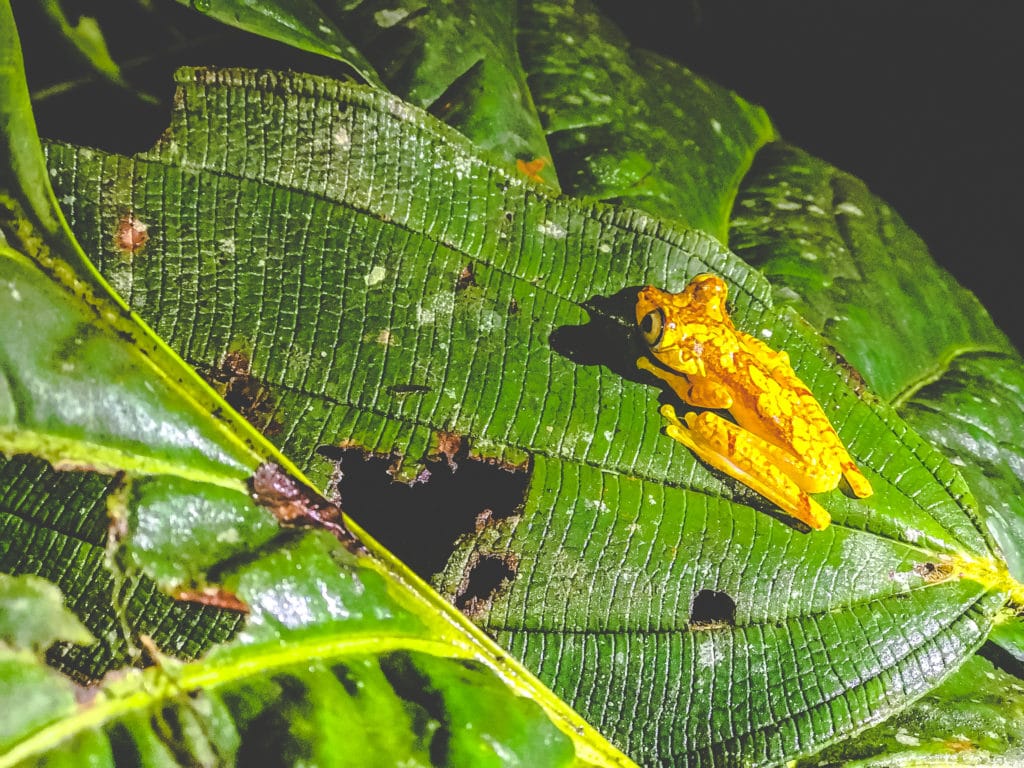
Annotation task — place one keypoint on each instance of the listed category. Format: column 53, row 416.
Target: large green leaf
column 976, row 717
column 853, row 268
column 385, row 302
column 155, row 482
column 458, row 60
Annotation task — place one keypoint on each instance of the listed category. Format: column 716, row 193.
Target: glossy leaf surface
column 285, row 231
column 137, row 466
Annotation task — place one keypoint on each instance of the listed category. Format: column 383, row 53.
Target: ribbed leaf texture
column 385, row 288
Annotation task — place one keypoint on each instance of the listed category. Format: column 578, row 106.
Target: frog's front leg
column 692, row 388
column 750, row 459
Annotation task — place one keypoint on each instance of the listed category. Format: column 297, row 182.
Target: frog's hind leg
column 748, row 458
column 859, row 484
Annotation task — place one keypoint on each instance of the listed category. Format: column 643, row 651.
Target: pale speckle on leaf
column 389, row 16
column 551, row 229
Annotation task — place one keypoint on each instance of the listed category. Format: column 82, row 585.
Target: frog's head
column 665, row 318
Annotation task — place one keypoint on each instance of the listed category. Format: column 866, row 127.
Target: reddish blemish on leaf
column 132, row 234
column 448, row 446
column 214, row 597
column 295, row 503
column 531, row 168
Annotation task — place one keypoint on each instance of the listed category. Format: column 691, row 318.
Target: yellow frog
column 784, row 446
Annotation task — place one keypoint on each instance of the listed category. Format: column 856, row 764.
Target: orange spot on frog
column 782, row 444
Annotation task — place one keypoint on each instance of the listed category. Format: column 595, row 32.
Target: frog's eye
column 652, row 326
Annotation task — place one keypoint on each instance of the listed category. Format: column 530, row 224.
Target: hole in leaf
column 484, row 577
column 466, row 278
column 712, row 608
column 420, row 522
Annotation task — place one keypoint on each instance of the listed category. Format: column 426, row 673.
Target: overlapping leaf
column 383, row 285
column 327, row 636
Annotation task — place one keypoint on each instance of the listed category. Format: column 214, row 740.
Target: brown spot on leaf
column 449, row 444
column 853, row 376
column 215, row 597
column 513, row 307
column 132, row 234
column 248, row 395
column 295, row 503
column 485, row 518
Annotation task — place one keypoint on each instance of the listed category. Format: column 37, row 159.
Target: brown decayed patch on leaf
column 247, row 395
column 853, row 375
column 215, row 597
column 449, row 444
column 934, row 573
column 295, row 503
column 132, row 234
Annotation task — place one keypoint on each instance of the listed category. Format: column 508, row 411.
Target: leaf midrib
column 159, row 685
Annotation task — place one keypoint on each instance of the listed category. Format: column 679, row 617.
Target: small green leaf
column 33, row 616
column 299, row 23
column 88, row 39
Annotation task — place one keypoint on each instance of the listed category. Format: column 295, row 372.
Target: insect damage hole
column 485, row 575
column 710, row 608
column 420, row 521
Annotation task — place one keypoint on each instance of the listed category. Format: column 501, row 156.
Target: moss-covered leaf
column 626, row 125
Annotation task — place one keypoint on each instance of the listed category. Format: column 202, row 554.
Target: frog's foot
column 743, row 455
column 859, row 484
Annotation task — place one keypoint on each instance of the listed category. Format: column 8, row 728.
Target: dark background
column 919, row 99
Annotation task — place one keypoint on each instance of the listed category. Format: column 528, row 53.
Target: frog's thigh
column 748, row 458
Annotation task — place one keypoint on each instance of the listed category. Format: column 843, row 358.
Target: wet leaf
column 175, row 530
column 648, row 590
